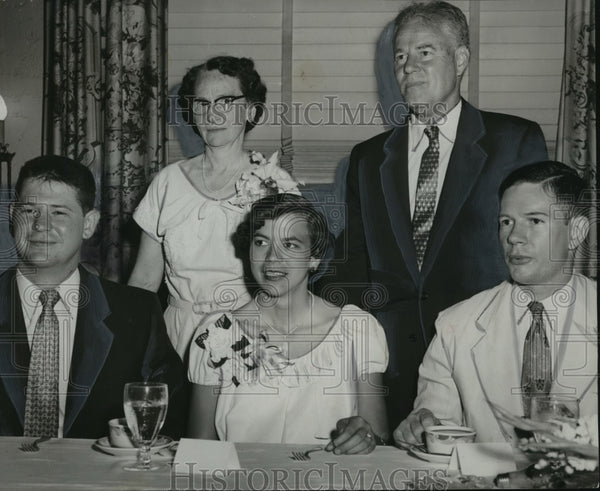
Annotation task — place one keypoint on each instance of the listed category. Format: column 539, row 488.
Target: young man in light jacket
column 485, row 350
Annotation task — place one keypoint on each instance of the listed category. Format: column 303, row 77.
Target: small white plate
column 103, row 444
column 435, row 458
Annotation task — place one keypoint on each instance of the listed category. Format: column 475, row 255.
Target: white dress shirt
column 66, row 311
column 418, row 143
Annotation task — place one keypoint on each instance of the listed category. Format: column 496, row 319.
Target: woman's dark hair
column 276, row 206
column 251, row 84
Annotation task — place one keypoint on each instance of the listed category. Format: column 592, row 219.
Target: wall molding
column 287, row 45
column 474, row 29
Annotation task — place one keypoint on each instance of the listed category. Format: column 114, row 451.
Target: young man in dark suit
column 70, row 340
column 422, row 198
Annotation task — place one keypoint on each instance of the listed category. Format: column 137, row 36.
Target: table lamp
column 5, row 156
column 3, row 113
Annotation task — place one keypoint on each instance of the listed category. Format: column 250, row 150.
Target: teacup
column 442, row 439
column 119, row 434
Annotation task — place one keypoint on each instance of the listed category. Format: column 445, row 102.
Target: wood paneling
column 341, row 7
column 223, row 6
column 522, row 48
column 248, row 20
column 224, row 37
column 521, row 35
column 498, row 101
column 199, row 30
column 520, row 6
column 528, row 67
column 193, row 53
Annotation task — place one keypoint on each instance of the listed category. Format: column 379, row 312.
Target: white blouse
column 266, row 397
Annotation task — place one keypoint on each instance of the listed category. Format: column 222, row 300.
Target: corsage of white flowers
column 239, row 359
column 217, row 341
column 265, row 179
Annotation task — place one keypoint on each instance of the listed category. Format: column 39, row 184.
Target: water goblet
column 145, row 405
column 554, row 407
column 560, row 410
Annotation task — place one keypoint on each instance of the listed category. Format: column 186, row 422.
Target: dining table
column 65, row 464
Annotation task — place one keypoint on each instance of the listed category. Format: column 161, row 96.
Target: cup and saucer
column 119, row 441
column 440, row 442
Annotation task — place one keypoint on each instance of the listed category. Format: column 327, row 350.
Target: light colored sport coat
column 473, row 359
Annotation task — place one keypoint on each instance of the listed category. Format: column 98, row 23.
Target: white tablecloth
column 64, row 464
column 74, row 464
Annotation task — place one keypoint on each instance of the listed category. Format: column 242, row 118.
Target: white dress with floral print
column 264, row 397
column 201, row 270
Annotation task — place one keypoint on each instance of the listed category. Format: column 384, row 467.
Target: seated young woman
column 288, row 367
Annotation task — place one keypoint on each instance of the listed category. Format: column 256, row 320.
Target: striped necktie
column 426, row 193
column 41, row 403
column 536, row 376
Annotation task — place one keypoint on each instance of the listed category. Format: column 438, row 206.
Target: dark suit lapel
column 91, row 345
column 14, row 346
column 394, row 182
column 466, row 161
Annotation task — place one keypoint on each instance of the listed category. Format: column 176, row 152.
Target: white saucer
column 436, row 458
column 103, row 444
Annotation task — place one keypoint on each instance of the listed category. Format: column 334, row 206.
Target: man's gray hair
column 437, row 14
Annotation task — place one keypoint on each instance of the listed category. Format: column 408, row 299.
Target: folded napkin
column 482, row 459
column 195, row 456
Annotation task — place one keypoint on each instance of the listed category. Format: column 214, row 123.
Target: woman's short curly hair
column 278, row 205
column 251, row 84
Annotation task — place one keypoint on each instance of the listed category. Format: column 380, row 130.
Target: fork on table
column 412, row 446
column 33, row 446
column 305, row 455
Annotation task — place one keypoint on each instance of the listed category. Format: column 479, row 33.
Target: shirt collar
column 68, row 291
column 448, row 127
column 522, row 297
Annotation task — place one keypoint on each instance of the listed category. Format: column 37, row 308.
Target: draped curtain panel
column 576, row 139
column 105, row 106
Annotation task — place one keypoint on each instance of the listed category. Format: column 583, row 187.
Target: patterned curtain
column 105, row 106
column 576, row 139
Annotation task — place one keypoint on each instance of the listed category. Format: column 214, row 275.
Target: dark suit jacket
column 120, row 337
column 376, row 263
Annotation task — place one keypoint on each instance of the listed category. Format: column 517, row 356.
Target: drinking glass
column 145, row 406
column 552, row 406
column 556, row 409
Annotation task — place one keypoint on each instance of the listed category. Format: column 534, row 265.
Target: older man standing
column 421, row 199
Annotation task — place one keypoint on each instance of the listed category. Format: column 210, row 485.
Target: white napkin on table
column 194, row 456
column 482, row 459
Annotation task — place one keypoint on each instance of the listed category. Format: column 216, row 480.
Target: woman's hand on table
column 352, row 435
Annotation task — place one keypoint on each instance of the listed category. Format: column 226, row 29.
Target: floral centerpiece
column 565, row 449
column 266, row 178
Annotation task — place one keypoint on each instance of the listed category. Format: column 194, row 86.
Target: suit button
column 412, row 338
column 425, row 296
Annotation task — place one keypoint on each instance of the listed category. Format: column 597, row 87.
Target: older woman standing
column 192, row 207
